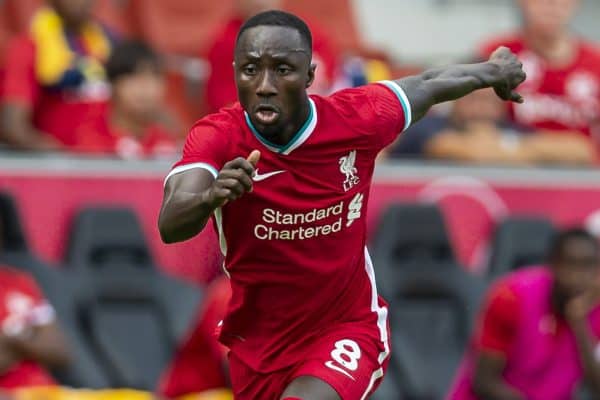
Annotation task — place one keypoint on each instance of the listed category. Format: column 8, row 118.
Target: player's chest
column 333, row 174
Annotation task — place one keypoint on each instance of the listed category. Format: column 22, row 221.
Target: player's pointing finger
column 254, row 157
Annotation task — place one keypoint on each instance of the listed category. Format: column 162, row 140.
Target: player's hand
column 8, row 356
column 511, row 74
column 234, row 179
column 580, row 306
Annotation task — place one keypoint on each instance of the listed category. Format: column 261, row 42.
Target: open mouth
column 266, row 114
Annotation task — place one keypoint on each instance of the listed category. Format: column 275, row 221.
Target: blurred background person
column 135, row 123
column 477, row 130
column 562, row 89
column 30, row 338
column 538, row 331
column 54, row 76
column 220, row 88
column 200, row 362
column 31, row 341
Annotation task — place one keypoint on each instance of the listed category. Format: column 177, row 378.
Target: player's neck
column 296, row 123
column 558, row 50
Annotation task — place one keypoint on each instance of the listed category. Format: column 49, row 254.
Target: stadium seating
column 432, row 308
column 411, row 232
column 104, row 235
column 57, row 287
column 518, row 242
column 124, row 306
column 432, row 301
column 13, row 238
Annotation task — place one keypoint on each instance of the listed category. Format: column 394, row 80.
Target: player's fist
column 510, row 74
column 234, row 179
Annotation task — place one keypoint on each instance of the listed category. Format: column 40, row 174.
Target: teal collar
column 300, row 137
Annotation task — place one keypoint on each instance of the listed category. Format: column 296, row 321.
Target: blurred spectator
column 200, row 363
column 134, row 123
column 220, row 86
column 54, row 76
column 30, row 338
column 562, row 90
column 537, row 336
column 477, row 130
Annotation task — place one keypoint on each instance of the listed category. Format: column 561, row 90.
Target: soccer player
column 305, row 320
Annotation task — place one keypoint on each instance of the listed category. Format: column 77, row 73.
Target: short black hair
column 128, row 56
column 560, row 240
column 278, row 18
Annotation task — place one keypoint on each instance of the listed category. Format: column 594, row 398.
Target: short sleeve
column 499, row 321
column 207, row 145
column 379, row 111
column 19, row 82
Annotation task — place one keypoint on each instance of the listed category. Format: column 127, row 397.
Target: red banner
column 472, row 206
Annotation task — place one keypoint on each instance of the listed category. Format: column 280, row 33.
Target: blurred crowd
column 127, row 79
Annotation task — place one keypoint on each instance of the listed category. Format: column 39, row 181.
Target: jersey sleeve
column 206, row 146
column 498, row 323
column 379, row 111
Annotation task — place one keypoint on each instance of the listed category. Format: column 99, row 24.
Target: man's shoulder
column 527, row 278
column 15, row 277
column 353, row 96
column 226, row 118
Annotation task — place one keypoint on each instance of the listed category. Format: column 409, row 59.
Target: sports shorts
column 351, row 362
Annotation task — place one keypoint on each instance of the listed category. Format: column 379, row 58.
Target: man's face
column 548, row 17
column 74, row 12
column 140, row 94
column 272, row 72
column 576, row 270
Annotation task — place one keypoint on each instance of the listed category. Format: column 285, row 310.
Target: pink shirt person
column 519, row 322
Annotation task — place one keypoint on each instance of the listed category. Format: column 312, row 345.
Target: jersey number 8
column 345, row 355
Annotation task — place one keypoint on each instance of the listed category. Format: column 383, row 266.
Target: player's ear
column 311, row 75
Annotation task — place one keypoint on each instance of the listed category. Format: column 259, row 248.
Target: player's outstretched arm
column 503, row 72
column 191, row 197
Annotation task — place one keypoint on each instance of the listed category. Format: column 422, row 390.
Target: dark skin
column 272, row 71
column 44, row 344
column 16, row 117
column 575, row 293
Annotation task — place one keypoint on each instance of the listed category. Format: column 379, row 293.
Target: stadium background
column 492, row 218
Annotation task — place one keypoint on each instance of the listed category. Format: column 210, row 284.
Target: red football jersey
column 22, row 305
column 557, row 98
column 295, row 246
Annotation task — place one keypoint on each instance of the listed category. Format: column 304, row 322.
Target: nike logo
column 258, row 177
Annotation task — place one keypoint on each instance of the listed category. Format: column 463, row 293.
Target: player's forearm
column 562, row 148
column 184, row 215
column 45, row 345
column 496, row 390
column 586, row 347
column 488, row 380
column 20, row 133
column 447, row 83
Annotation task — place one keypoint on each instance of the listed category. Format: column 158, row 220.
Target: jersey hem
column 182, row 168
